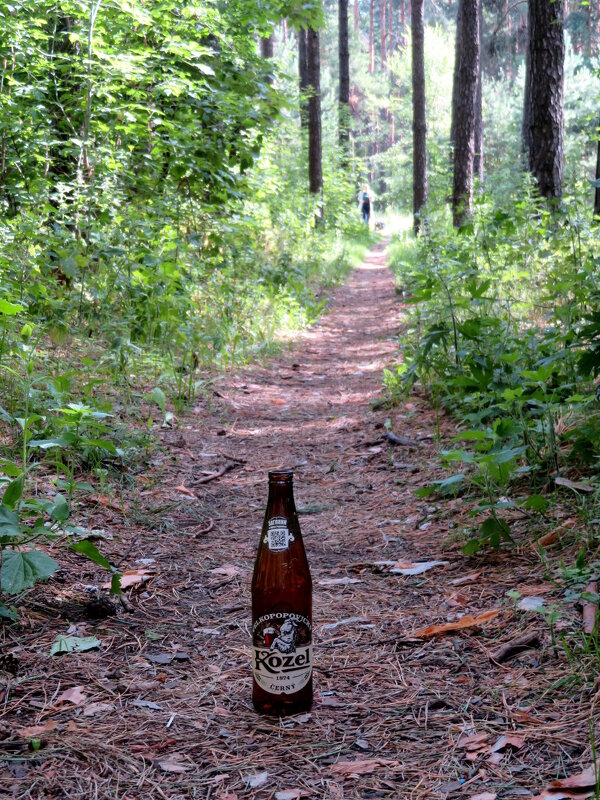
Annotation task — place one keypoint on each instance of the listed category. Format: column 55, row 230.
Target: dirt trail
column 173, row 684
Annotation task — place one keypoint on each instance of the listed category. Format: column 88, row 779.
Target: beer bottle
column 281, row 608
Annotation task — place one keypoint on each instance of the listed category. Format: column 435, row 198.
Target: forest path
column 163, row 708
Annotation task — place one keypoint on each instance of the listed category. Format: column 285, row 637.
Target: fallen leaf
column 549, row 538
column 484, row 796
column 184, row 490
column 160, row 658
column 470, row 578
column 577, row 485
column 288, row 794
column 97, row 708
column 230, row 570
column 473, row 741
column 330, row 626
column 74, row 695
column 73, row 644
column 506, row 741
column 173, row 763
column 467, row 621
column 107, row 502
column 363, row 767
column 256, row 780
column 139, row 703
column 132, row 577
column 583, row 784
column 278, row 401
column 35, row 731
column 338, row 581
column 583, row 780
column 408, row 568
column 590, row 609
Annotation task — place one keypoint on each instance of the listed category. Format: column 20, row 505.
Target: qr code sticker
column 278, row 539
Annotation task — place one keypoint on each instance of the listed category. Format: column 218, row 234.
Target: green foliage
column 504, row 333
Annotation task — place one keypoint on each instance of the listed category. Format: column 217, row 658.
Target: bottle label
column 282, row 652
column 279, row 537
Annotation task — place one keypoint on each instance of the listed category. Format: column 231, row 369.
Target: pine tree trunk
column 303, row 75
column 383, row 33
column 284, row 30
column 478, row 158
column 419, row 114
column 266, row 51
column 597, row 193
column 344, row 93
column 478, row 155
column 315, row 169
column 356, row 16
column 372, row 37
column 465, row 97
column 545, row 133
column 391, row 28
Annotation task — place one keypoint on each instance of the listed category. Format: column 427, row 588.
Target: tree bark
column 419, row 114
column 597, row 192
column 356, row 16
column 465, row 97
column 315, row 168
column 383, row 33
column 344, row 89
column 545, row 126
column 372, row 37
column 266, row 51
column 303, row 75
column 478, row 158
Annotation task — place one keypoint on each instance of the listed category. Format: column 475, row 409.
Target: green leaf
column 115, row 584
column 9, row 522
column 8, row 613
column 471, row 547
column 424, row 491
column 13, row 492
column 10, row 468
column 73, row 644
column 10, row 309
column 89, row 549
column 160, row 399
column 22, row 569
column 536, row 503
column 59, row 511
column 103, row 444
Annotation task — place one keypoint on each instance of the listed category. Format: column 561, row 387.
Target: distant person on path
column 364, row 204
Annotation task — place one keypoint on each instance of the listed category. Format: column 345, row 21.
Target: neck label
column 279, row 537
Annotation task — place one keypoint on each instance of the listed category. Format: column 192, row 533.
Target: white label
column 282, row 673
column 279, row 536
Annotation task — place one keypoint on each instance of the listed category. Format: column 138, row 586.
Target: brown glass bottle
column 281, row 608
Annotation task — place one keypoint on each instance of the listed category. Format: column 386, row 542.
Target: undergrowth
column 504, row 334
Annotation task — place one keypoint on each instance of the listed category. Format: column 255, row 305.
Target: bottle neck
column 281, row 495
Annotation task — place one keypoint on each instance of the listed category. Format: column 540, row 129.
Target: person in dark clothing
column 366, row 207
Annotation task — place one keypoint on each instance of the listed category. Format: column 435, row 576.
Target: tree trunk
column 478, row 158
column 356, row 16
column 303, row 75
column 284, row 30
column 545, row 126
column 419, row 115
column 383, row 32
column 344, row 95
column 372, row 37
column 315, row 168
column 266, row 51
column 478, row 155
column 597, row 193
column 465, row 97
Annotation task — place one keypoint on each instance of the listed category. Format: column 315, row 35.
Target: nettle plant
column 505, row 334
column 31, row 523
